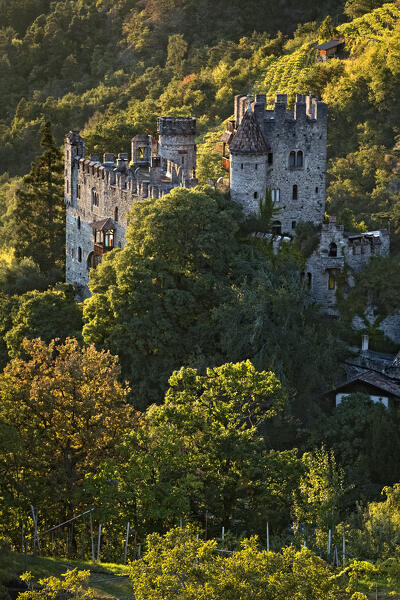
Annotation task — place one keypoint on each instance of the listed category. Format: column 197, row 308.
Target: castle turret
column 74, row 148
column 177, row 142
column 141, row 146
column 248, row 164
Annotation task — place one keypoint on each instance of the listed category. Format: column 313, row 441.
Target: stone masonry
column 280, row 150
column 289, row 158
column 98, row 195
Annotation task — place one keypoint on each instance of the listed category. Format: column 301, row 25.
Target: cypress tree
column 39, row 229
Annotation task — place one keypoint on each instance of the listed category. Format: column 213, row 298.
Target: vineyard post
column 126, row 543
column 98, row 543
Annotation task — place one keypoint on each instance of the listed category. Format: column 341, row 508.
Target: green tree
column 65, row 411
column 176, row 54
column 187, row 568
column 72, row 584
column 318, row 500
column 202, row 451
column 152, row 302
column 50, row 314
column 357, row 8
column 363, row 437
column 39, row 217
column 327, row 30
column 374, row 295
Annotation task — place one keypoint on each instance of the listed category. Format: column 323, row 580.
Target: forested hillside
column 193, row 388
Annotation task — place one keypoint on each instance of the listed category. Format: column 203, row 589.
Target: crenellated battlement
column 306, row 107
column 176, row 126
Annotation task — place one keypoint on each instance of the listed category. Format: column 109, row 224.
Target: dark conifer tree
column 39, row 229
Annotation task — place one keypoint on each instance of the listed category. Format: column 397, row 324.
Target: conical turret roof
column 249, row 138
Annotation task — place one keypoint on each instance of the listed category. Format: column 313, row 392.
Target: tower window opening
column 79, row 254
column 309, row 279
column 332, row 249
column 275, row 194
column 116, row 214
column 295, row 192
column 78, row 190
column 241, row 165
column 67, row 186
column 294, row 224
column 255, row 194
column 292, row 160
column 256, row 166
column 316, row 190
column 183, row 160
column 299, row 162
column 95, row 198
column 270, row 158
column 331, row 281
column 79, row 222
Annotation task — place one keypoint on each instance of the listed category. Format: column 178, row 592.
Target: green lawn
column 108, row 580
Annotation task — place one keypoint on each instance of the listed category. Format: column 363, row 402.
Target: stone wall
column 96, row 191
column 336, row 249
column 296, row 156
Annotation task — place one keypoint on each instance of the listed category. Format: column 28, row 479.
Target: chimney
column 364, row 342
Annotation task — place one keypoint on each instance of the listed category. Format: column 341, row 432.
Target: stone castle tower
column 282, row 151
column 98, row 195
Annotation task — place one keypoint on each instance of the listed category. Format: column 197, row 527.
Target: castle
column 280, row 150
column 99, row 195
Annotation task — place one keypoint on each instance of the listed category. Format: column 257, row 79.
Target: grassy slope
column 108, row 580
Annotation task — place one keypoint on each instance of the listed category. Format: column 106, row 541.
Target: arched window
column 95, row 198
column 116, row 214
column 292, row 160
column 332, row 249
column 275, row 193
column 299, row 162
column 80, row 254
column 277, row 228
column 294, row 192
column 331, row 280
column 78, row 222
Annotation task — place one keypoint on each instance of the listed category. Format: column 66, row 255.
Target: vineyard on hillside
column 373, row 26
column 283, row 75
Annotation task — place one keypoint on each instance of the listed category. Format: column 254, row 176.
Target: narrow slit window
column 295, row 192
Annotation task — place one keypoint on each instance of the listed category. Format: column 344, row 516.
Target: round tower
column 248, row 164
column 177, row 142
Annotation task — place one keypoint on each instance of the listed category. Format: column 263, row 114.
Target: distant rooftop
column 330, row 44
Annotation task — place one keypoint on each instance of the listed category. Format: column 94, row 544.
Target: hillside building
column 98, row 195
column 280, row 150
